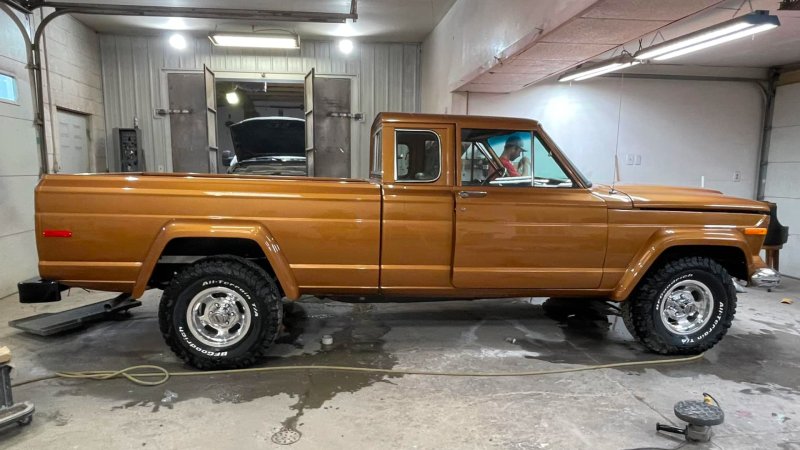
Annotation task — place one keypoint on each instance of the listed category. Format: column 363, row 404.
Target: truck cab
column 455, row 217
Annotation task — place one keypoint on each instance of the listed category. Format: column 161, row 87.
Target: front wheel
column 684, row 307
column 221, row 312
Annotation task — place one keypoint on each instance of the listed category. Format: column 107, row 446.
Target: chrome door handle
column 474, row 194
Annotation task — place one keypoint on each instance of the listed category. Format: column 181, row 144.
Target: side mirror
column 227, row 157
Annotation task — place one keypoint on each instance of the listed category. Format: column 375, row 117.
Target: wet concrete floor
column 754, row 373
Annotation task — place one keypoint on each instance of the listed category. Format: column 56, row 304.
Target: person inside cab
column 511, row 152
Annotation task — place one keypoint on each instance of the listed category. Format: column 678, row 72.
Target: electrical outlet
column 638, row 160
column 737, row 176
column 629, row 159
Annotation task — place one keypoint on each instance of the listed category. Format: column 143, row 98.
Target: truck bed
column 328, row 229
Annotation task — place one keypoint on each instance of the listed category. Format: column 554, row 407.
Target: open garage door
column 327, row 110
column 193, row 121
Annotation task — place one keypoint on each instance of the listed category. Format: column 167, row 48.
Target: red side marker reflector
column 57, row 233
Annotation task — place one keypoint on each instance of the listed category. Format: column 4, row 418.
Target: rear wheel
column 221, row 312
column 684, row 307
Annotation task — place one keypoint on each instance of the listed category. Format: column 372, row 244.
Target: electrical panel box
column 128, row 149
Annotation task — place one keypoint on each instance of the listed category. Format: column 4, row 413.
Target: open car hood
column 683, row 198
column 268, row 136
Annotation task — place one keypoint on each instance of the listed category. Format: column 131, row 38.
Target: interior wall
column 473, row 32
column 783, row 184
column 72, row 80
column 19, row 165
column 386, row 77
column 680, row 130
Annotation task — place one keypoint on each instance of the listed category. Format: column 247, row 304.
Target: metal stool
column 10, row 412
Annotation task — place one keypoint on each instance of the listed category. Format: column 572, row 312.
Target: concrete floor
column 754, row 373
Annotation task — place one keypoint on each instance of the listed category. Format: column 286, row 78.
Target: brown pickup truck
column 455, row 207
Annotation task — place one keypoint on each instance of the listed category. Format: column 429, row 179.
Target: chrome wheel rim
column 686, row 307
column 218, row 317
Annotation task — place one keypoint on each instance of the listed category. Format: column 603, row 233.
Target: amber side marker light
column 57, row 233
column 755, row 231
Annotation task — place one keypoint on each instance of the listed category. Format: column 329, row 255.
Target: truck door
column 417, row 217
column 519, row 226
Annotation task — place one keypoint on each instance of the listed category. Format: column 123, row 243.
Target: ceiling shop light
column 591, row 71
column 346, row 46
column 177, row 41
column 740, row 27
column 255, row 40
column 232, row 97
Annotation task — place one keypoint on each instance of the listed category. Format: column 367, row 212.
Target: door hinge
column 166, row 112
column 347, row 115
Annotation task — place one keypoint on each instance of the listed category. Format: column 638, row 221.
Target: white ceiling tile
column 647, row 9
column 602, row 31
column 568, row 52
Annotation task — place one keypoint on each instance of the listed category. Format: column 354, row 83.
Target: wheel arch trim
column 255, row 232
column 666, row 239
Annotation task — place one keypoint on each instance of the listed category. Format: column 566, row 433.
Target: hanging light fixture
column 740, row 27
column 590, row 71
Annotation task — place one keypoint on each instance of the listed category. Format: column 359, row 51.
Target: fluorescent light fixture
column 346, row 46
column 177, row 41
column 255, row 40
column 594, row 70
column 743, row 26
column 232, row 98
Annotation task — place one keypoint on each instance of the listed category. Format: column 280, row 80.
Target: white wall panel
column 386, row 78
column 783, row 184
column 683, row 130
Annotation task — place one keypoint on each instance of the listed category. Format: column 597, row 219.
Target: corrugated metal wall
column 386, row 77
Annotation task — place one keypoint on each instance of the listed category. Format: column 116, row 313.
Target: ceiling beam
column 200, row 13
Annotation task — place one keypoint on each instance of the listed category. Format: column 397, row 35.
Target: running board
column 47, row 324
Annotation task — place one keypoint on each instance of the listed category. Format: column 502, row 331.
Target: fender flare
column 665, row 239
column 219, row 229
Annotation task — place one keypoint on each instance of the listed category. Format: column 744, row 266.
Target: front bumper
column 765, row 277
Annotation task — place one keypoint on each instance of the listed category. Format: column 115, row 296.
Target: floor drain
column 286, row 437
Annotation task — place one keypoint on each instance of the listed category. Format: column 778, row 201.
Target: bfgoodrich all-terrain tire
column 220, row 313
column 684, row 307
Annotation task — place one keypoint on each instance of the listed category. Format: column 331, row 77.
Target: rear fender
column 216, row 229
column 668, row 238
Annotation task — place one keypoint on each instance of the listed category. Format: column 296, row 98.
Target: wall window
column 508, row 158
column 418, row 156
column 8, row 88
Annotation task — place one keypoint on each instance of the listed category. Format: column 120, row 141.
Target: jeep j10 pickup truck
column 455, row 207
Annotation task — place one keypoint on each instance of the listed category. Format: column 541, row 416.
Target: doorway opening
column 252, row 113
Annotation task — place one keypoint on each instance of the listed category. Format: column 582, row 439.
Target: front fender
column 668, row 238
column 219, row 229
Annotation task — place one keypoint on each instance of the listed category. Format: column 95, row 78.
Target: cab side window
column 418, row 156
column 508, row 158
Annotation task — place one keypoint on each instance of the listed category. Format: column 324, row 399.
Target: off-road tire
column 641, row 313
column 259, row 291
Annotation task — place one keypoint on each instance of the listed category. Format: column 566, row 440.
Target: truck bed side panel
column 328, row 230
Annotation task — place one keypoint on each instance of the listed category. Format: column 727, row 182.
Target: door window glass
column 508, row 158
column 377, row 156
column 418, row 156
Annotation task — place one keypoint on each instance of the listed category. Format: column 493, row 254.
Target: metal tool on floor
column 47, row 324
column 10, row 412
column 700, row 417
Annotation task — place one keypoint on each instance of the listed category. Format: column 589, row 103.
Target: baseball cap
column 516, row 141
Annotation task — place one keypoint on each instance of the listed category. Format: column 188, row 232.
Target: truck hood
column 268, row 136
column 683, row 198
